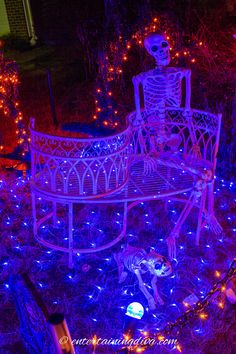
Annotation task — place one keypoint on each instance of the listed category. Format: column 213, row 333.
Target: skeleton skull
column 158, row 265
column 158, row 46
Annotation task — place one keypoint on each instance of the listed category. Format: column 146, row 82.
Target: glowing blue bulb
column 135, row 310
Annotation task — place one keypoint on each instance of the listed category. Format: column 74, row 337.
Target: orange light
column 125, row 58
column 160, row 337
column 203, row 316
column 94, row 117
column 128, row 46
column 94, row 340
column 110, row 93
column 155, row 19
column 200, row 43
column 178, row 347
column 105, row 122
column 221, row 304
column 217, row 274
column 168, row 37
column 98, row 90
column 193, row 60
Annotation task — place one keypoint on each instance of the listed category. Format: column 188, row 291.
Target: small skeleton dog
column 138, row 261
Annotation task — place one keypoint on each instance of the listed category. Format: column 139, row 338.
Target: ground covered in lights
column 90, row 296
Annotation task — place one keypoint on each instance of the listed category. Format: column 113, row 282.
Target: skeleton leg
column 120, row 265
column 211, row 219
column 200, row 215
column 175, row 232
column 157, row 297
column 142, row 287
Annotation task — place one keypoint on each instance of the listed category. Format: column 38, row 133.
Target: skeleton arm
column 136, row 82
column 142, row 287
column 187, row 75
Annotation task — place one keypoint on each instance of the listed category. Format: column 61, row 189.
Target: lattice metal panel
column 196, row 130
column 79, row 167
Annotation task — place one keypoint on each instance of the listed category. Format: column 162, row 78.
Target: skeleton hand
column 187, row 112
column 214, row 225
column 138, row 120
column 196, row 152
column 150, row 165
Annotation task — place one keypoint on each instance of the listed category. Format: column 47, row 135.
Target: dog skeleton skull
column 138, row 261
column 158, row 46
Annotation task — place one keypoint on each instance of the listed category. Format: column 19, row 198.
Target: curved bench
column 70, row 171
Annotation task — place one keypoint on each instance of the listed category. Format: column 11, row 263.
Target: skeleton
column 138, row 261
column 161, row 88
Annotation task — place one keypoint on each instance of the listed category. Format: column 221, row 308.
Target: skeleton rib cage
column 159, row 90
